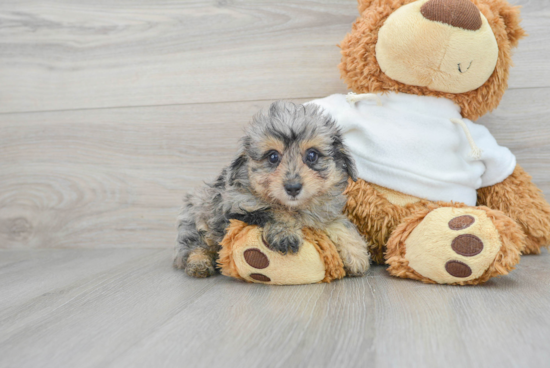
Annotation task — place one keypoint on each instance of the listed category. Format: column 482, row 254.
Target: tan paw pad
column 255, row 258
column 461, row 222
column 453, row 245
column 260, row 277
column 467, row 245
column 458, row 269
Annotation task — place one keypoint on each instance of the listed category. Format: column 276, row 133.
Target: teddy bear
column 439, row 200
column 437, row 196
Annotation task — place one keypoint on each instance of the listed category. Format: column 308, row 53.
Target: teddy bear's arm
column 521, row 200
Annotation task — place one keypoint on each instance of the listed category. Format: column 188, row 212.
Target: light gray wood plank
column 84, row 322
column 111, row 178
column 323, row 325
column 32, row 271
column 81, row 54
column 115, row 177
column 521, row 124
column 77, row 54
column 142, row 313
column 500, row 324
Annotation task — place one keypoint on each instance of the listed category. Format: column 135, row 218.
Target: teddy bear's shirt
column 410, row 144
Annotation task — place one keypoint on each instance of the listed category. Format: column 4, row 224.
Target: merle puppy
column 290, row 173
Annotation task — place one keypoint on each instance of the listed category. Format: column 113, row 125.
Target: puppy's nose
column 293, row 189
column 457, row 13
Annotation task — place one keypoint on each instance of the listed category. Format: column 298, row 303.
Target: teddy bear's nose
column 457, row 13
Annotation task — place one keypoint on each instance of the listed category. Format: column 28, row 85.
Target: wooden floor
column 110, row 110
column 129, row 308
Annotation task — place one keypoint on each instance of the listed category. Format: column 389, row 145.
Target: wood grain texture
column 44, row 268
column 78, row 54
column 127, row 308
column 115, row 177
column 84, row 54
column 112, row 177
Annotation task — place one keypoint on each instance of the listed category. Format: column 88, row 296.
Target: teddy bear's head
column 457, row 49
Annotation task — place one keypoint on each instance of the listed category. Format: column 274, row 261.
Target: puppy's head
column 294, row 154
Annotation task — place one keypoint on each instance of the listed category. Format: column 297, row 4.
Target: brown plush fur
column 513, row 197
column 511, row 237
column 375, row 217
column 360, row 70
column 333, row 264
column 236, row 231
column 521, row 200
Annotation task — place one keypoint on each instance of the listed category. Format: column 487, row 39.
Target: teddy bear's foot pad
column 453, row 244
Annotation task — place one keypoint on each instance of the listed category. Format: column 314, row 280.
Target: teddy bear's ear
column 511, row 17
column 363, row 4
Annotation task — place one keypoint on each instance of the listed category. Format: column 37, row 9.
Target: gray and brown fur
column 281, row 197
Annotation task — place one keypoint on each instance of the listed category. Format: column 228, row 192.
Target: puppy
column 291, row 173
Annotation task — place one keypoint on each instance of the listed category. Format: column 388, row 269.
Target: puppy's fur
column 291, row 173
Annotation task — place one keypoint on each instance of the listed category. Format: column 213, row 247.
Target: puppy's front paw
column 351, row 246
column 283, row 242
column 357, row 266
column 356, row 259
column 356, row 271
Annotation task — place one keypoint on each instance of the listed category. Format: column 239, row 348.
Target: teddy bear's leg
column 454, row 244
column 351, row 247
column 377, row 211
column 246, row 255
column 521, row 200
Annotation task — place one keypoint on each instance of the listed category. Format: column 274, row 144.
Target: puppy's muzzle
column 293, row 189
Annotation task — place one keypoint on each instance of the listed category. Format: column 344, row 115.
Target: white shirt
column 410, row 144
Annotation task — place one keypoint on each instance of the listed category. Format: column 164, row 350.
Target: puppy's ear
column 349, row 165
column 238, row 169
column 343, row 157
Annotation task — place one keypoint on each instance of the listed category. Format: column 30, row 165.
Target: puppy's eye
column 312, row 156
column 273, row 157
